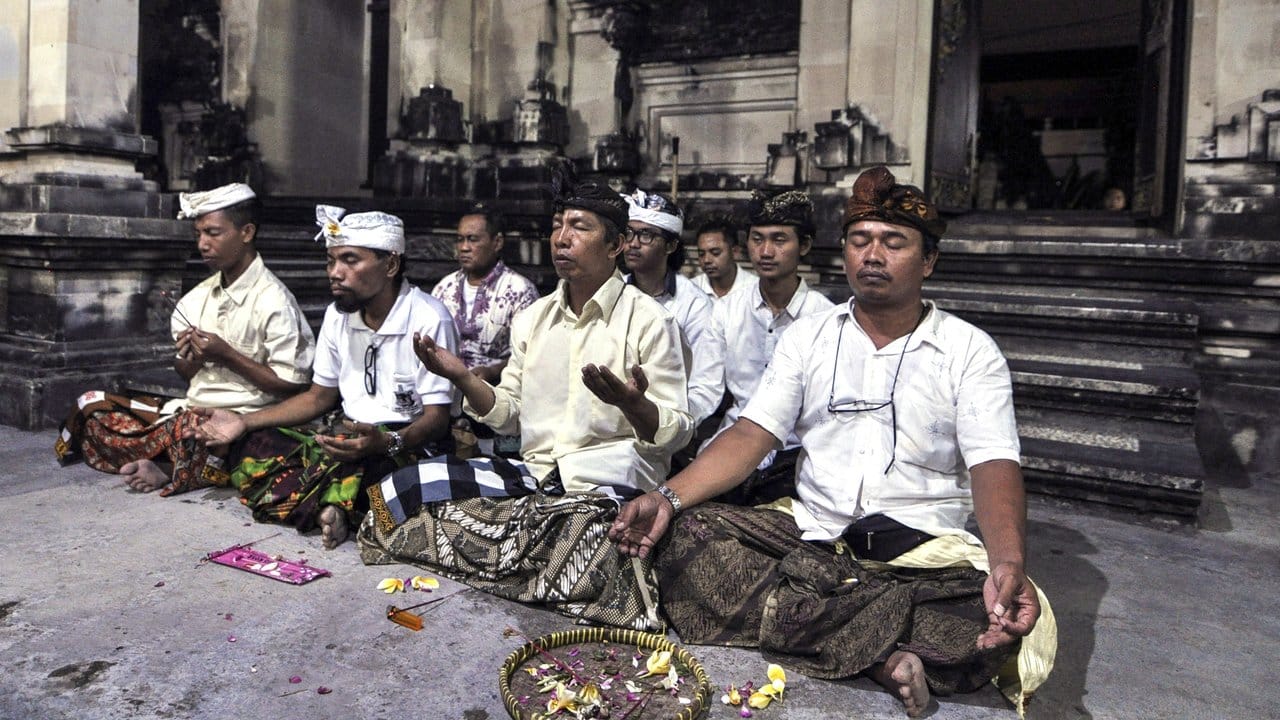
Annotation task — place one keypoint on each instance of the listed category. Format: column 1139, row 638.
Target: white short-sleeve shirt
column 692, row 310
column 402, row 384
column 953, row 403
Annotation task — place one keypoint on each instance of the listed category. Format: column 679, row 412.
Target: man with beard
column 242, row 344
column 395, row 409
column 905, row 416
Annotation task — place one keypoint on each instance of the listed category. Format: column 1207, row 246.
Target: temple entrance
column 1043, row 105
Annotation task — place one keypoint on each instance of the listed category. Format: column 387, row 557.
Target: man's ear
column 501, row 240
column 616, row 250
column 806, row 244
column 250, row 232
column 393, row 264
column 929, row 261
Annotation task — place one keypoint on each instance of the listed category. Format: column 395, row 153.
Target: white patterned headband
column 193, row 205
column 653, row 209
column 373, row 230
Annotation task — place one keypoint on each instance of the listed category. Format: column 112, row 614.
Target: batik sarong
column 285, row 476
column 455, row 517
column 740, row 576
column 109, row 431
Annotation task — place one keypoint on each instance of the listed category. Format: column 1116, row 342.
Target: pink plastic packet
column 260, row 563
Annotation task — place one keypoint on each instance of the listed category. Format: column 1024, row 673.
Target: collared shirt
column 484, row 325
column 260, row 319
column 402, row 384
column 953, row 403
column 746, row 330
column 743, row 280
column 692, row 311
column 561, row 423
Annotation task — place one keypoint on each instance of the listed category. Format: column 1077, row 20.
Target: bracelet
column 671, row 497
column 395, row 443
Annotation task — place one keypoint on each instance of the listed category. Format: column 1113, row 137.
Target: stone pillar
column 433, row 46
column 823, row 71
column 86, row 243
column 592, row 108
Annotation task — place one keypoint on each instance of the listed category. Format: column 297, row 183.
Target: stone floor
column 107, row 612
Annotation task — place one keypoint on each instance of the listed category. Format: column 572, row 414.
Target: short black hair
column 723, row 225
column 494, row 222
column 245, row 212
column 384, row 254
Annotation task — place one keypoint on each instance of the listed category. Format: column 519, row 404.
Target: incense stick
column 174, row 304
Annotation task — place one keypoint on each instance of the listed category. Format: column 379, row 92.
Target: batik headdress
column 790, row 207
column 567, row 192
column 878, row 196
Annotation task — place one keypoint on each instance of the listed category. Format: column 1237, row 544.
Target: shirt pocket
column 927, row 434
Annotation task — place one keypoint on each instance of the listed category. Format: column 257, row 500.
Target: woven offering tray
column 608, row 659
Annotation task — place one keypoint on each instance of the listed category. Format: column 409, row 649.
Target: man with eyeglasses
column 906, row 419
column 746, row 325
column 394, row 409
column 653, row 254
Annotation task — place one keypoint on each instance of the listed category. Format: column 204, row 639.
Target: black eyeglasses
column 857, row 406
column 371, row 369
column 645, row 236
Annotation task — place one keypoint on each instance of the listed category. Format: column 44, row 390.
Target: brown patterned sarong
column 109, row 431
column 535, row 549
column 743, row 577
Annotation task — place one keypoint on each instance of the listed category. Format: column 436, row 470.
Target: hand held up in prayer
column 438, row 359
column 602, row 383
column 362, row 441
column 217, row 427
column 1012, row 606
column 640, row 524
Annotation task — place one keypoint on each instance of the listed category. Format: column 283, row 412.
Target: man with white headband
column 653, row 253
column 395, row 409
column 242, row 343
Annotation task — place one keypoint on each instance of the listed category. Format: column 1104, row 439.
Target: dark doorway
column 1060, row 105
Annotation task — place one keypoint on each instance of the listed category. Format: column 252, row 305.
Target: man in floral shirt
column 483, row 296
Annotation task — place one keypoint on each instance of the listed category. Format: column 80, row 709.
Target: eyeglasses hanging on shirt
column 858, row 405
column 371, row 368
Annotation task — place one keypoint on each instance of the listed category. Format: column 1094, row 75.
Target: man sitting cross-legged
column 396, row 410
column 596, row 389
column 905, row 416
column 241, row 341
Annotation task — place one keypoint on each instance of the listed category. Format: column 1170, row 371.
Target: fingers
column 639, row 378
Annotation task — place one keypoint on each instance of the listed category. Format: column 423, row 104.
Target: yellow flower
column 732, row 697
column 658, row 663
column 777, row 678
column 391, row 585
column 332, row 227
column 564, row 699
column 590, row 695
column 421, row 582
column 759, row 700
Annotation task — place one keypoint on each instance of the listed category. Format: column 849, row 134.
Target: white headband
column 654, row 210
column 373, row 230
column 193, row 205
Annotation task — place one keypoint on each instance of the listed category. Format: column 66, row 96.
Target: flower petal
column 658, row 663
column 776, row 674
column 422, row 582
column 322, row 690
column 391, row 585
column 295, row 680
column 759, row 700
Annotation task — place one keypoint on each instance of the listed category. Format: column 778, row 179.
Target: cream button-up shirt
column 952, row 405
column 563, row 424
column 260, row 319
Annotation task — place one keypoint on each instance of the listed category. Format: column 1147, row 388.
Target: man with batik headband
column 746, row 325
column 395, row 409
column 905, row 415
column 241, row 344
column 653, row 253
column 595, row 387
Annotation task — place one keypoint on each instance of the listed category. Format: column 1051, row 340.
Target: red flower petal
column 295, row 680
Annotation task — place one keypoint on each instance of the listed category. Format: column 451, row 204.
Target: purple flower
column 295, row 680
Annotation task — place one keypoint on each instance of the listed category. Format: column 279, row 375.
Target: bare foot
column 903, row 675
column 143, row 476
column 333, row 526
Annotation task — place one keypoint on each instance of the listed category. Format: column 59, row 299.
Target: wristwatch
column 671, row 497
column 395, row 443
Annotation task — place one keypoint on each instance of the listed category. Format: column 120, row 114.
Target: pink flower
column 295, row 680
column 322, row 690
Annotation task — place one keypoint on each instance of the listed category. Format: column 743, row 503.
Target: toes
column 129, row 468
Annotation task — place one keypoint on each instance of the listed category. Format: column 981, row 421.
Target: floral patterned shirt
column 485, row 326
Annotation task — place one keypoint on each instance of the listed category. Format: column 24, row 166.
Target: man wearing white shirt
column 717, row 242
column 746, row 325
column 395, row 409
column 905, row 415
column 653, row 254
